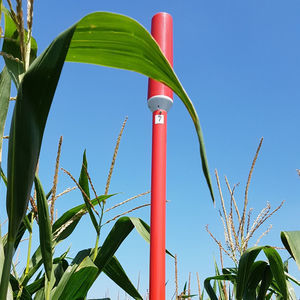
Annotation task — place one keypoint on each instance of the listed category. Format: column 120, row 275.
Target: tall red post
column 160, row 100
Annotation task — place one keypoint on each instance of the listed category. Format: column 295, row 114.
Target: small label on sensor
column 159, row 119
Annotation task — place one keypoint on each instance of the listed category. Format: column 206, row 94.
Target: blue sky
column 239, row 62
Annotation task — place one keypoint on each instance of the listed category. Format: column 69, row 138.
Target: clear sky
column 239, row 62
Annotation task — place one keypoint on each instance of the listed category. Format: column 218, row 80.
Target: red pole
column 160, row 100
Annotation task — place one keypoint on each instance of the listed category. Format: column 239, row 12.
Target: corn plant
column 238, row 224
column 249, row 278
column 99, row 38
column 61, row 279
column 258, row 279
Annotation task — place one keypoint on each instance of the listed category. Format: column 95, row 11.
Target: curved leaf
column 27, row 128
column 116, row 236
column 84, row 183
column 291, row 241
column 277, row 269
column 113, row 270
column 117, row 274
column 66, row 224
column 144, row 231
column 117, row 41
column 2, row 175
column 9, row 295
column 245, row 264
column 61, row 229
column 5, row 83
column 266, row 281
column 210, row 291
column 220, row 283
column 114, row 239
column 44, row 228
column 256, row 274
column 77, row 284
column 25, row 225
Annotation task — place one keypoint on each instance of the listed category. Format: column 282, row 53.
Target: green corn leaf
column 59, row 270
column 10, row 293
column 27, row 223
column 118, row 41
column 39, row 275
column 26, row 131
column 40, row 295
column 11, row 46
column 245, row 264
column 265, row 283
column 48, row 285
column 35, row 286
column 144, row 230
column 60, row 265
column 66, row 224
column 291, row 241
column 49, row 194
column 215, row 286
column 230, row 271
column 105, row 260
column 61, row 229
column 117, row 274
column 291, row 292
column 79, row 282
column 212, row 291
column 61, row 258
column 22, row 229
column 83, row 179
column 256, row 274
column 44, row 228
column 116, row 236
column 277, row 269
column 34, row 264
column 114, row 239
column 13, row 288
column 2, row 175
column 34, row 98
column 292, row 278
column 81, row 255
column 274, row 287
column 5, row 83
column 84, row 183
column 113, row 270
column 1, row 253
column 57, row 292
column 220, row 283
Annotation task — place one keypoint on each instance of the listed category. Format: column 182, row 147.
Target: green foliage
column 291, row 241
column 45, row 228
column 11, row 46
column 253, row 279
column 91, row 40
column 5, row 83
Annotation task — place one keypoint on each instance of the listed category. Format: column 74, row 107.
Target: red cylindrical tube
column 161, row 98
column 162, row 32
column 158, row 206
